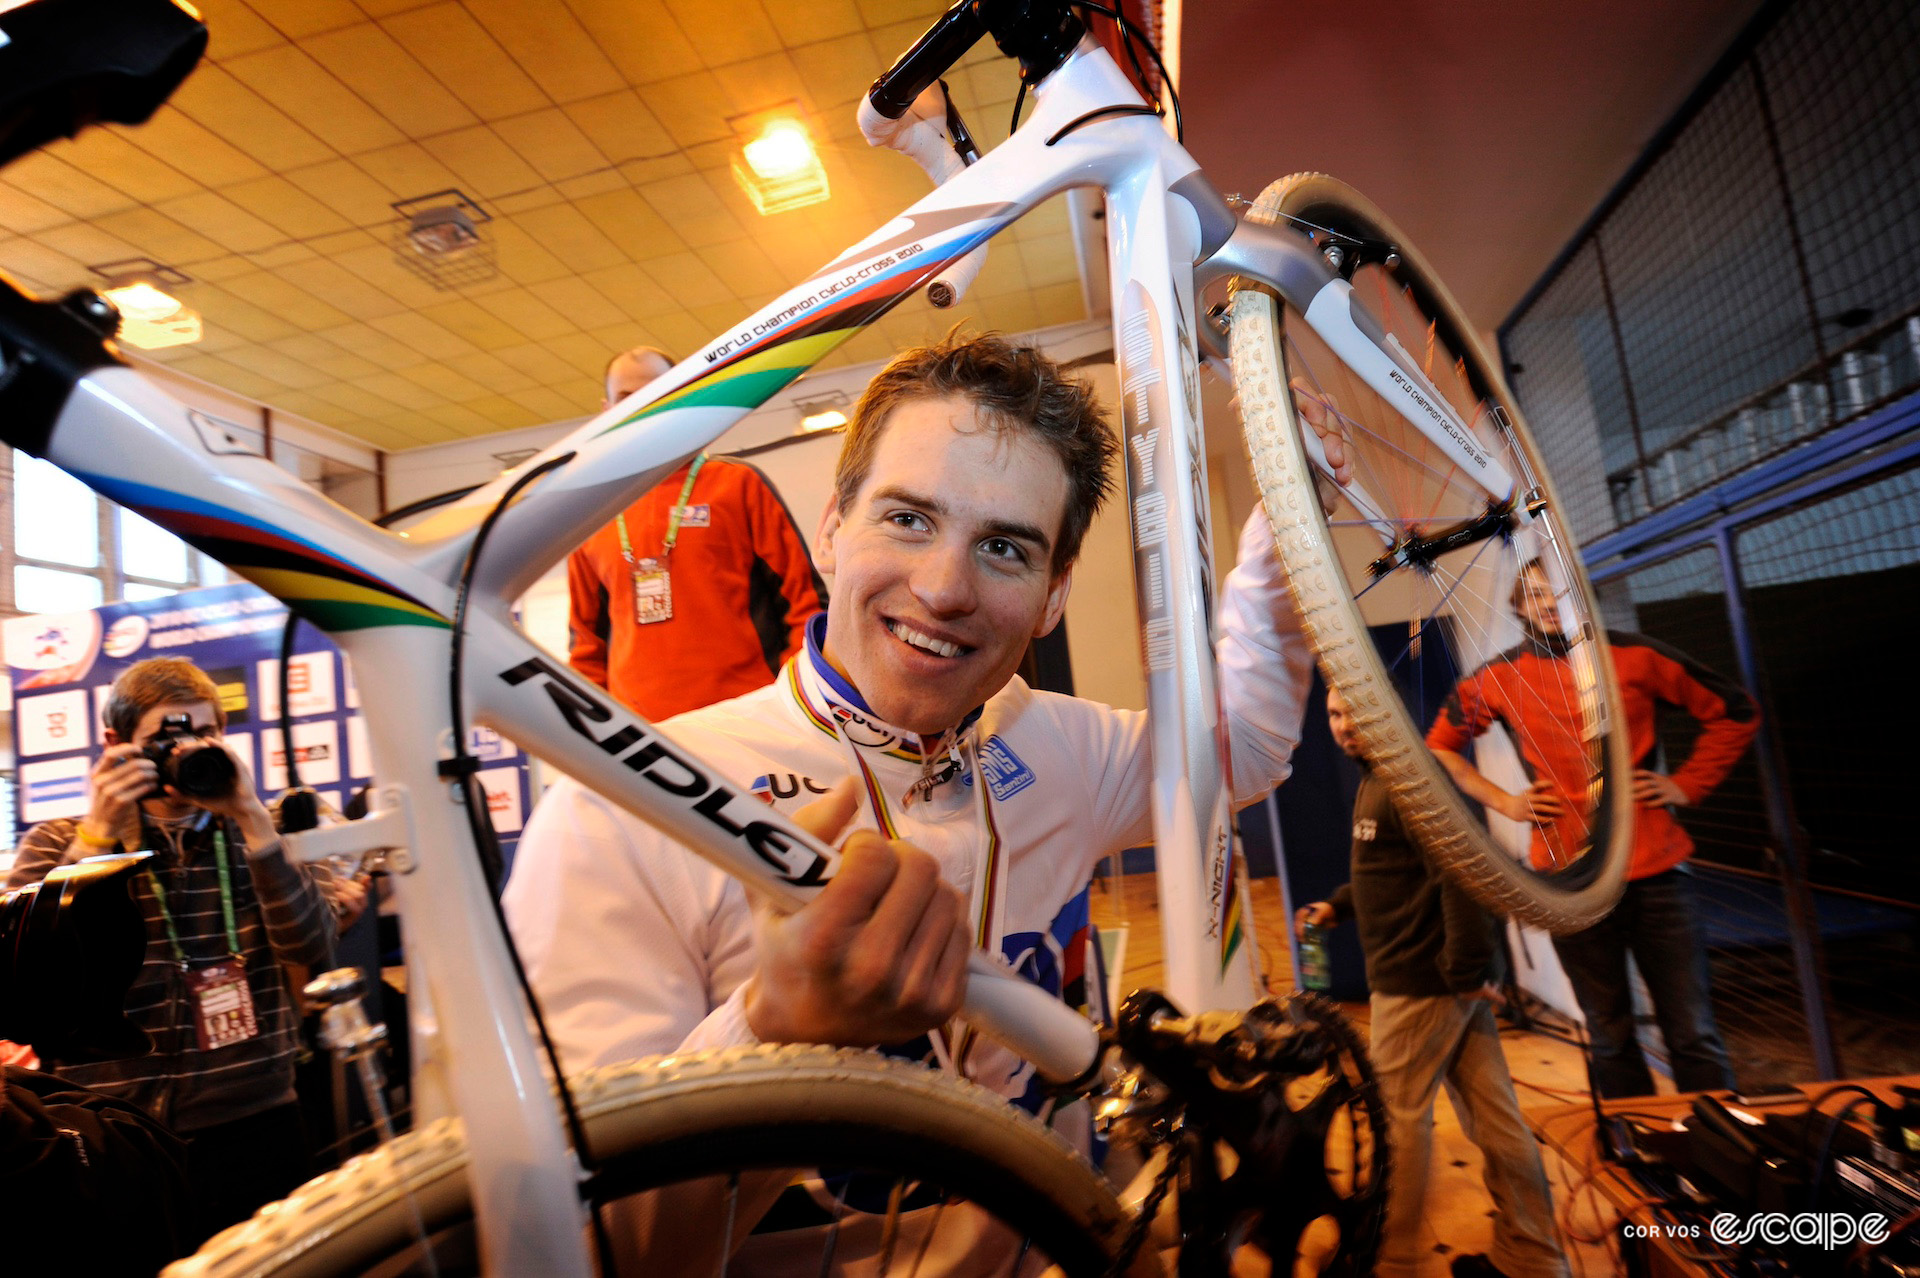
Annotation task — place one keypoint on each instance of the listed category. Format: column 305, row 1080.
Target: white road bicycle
column 1250, row 1103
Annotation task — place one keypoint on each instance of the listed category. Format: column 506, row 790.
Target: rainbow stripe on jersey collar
column 832, row 699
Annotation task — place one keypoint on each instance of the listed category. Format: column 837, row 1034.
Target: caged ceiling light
column 776, row 164
column 827, row 412
column 442, row 238
column 151, row 317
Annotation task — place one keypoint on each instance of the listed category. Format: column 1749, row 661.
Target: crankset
column 1269, row 1122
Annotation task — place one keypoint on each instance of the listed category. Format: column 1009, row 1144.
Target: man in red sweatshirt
column 697, row 592
column 1654, row 920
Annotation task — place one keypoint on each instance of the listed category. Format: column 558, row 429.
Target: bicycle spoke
column 927, row 1242
column 726, row 1236
column 1374, row 433
column 833, row 1230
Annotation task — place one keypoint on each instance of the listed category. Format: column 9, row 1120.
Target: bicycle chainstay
column 1267, row 1084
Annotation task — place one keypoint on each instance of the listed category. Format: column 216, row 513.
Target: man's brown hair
column 1016, row 388
column 157, row 681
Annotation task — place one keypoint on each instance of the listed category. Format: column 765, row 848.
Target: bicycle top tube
column 627, row 447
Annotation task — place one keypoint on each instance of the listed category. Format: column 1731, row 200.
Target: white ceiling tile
column 371, row 63
column 222, row 104
column 316, row 98
column 643, row 40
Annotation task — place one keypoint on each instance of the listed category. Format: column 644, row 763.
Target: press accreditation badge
column 222, row 1004
column 652, row 592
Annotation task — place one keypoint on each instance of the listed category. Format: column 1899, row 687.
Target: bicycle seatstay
column 1325, row 301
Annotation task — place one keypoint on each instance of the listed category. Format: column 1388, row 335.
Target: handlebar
column 931, row 56
column 1038, row 33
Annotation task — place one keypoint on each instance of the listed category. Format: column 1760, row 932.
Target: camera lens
column 200, row 774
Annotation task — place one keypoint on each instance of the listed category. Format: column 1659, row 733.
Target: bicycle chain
column 1149, row 1208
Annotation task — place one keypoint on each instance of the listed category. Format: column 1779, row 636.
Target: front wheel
column 757, row 1161
column 1427, row 598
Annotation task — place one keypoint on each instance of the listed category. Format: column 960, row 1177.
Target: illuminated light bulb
column 822, row 421
column 782, row 150
column 152, row 318
column 142, row 301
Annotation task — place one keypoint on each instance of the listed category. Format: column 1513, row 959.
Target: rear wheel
column 905, row 1170
column 1413, row 589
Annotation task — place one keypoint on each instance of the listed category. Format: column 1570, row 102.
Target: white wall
column 246, row 413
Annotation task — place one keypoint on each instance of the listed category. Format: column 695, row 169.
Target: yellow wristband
column 94, row 840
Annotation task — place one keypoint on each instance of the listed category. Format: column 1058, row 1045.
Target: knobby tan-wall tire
column 647, row 1120
column 1425, row 797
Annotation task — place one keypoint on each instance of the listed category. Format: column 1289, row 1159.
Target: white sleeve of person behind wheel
column 1265, row 664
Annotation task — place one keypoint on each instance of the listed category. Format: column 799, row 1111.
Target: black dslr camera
column 198, row 774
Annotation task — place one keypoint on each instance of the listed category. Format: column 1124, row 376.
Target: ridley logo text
column 663, row 765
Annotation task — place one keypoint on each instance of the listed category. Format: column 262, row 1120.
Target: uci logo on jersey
column 774, row 786
column 1006, row 774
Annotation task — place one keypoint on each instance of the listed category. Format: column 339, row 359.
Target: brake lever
column 963, row 144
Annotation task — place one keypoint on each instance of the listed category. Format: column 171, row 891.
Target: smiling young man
column 966, row 483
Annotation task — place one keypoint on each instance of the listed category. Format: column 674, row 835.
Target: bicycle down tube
column 387, row 600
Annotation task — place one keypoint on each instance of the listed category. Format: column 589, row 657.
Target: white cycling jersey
column 636, row 946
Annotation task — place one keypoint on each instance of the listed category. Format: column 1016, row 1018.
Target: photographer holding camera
column 227, row 913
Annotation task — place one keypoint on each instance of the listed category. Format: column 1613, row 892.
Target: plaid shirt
column 284, row 922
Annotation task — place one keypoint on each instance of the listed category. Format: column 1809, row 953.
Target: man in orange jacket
column 1654, row 920
column 697, row 592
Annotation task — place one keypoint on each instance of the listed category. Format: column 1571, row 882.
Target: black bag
column 88, row 1184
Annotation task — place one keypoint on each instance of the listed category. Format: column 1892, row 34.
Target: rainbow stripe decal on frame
column 748, row 375
column 324, row 589
column 1230, row 930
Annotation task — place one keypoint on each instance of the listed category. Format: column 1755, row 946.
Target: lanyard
column 673, row 516
column 226, row 902
column 989, row 881
column 989, row 900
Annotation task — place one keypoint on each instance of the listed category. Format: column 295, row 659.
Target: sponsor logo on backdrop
column 125, row 636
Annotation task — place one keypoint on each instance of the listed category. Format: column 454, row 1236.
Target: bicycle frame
column 388, row 600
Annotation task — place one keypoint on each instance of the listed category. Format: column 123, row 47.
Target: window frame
column 109, row 572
